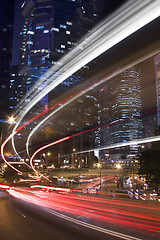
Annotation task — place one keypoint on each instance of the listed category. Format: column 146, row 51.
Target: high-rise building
column 120, row 111
column 6, row 36
column 51, row 29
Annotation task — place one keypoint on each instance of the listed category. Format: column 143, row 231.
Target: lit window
column 68, row 32
column 62, row 46
column 69, row 23
column 39, row 27
column 46, row 31
column 30, row 32
column 63, row 26
column 30, row 42
column 55, row 29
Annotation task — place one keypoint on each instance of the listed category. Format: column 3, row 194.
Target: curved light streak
column 130, row 18
column 118, row 145
column 2, row 152
column 46, row 146
column 84, row 91
column 126, row 144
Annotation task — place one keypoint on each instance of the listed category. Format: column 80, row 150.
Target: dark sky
column 107, row 7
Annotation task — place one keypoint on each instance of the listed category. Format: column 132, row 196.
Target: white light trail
column 130, row 18
column 126, row 144
column 115, row 73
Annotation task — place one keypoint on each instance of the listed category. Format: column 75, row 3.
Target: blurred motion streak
column 124, row 214
column 130, row 18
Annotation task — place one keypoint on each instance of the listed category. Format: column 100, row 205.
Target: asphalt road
column 21, row 220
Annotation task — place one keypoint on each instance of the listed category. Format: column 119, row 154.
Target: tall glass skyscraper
column 121, row 109
column 51, row 29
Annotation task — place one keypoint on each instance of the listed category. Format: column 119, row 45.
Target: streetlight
column 118, row 166
column 99, row 166
column 11, row 120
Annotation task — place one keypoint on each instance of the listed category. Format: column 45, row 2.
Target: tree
column 150, row 167
column 150, row 164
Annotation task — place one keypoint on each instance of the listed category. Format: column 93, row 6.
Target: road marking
column 88, row 225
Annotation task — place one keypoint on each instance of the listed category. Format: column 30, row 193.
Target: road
column 41, row 215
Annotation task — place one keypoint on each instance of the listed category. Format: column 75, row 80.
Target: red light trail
column 126, row 215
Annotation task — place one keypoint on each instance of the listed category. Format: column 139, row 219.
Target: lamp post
column 99, row 166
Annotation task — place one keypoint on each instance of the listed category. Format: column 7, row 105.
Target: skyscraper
column 6, row 36
column 122, row 108
column 51, row 29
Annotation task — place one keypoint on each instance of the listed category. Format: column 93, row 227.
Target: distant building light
column 46, row 31
column 39, row 27
column 30, row 42
column 63, row 26
column 13, row 74
column 23, row 4
column 55, row 29
column 62, row 46
column 30, row 32
column 68, row 32
column 69, row 23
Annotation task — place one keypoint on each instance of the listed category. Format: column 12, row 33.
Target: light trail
column 130, row 18
column 51, row 188
column 4, row 186
column 40, row 149
column 109, row 212
column 84, row 91
column 2, row 151
column 113, row 146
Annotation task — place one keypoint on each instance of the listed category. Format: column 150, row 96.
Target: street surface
column 32, row 215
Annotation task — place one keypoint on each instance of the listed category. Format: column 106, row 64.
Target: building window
column 39, row 27
column 46, row 31
column 69, row 23
column 63, row 26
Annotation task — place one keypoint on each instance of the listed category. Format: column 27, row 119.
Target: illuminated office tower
column 125, row 109
column 6, row 36
column 51, row 29
column 120, row 110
